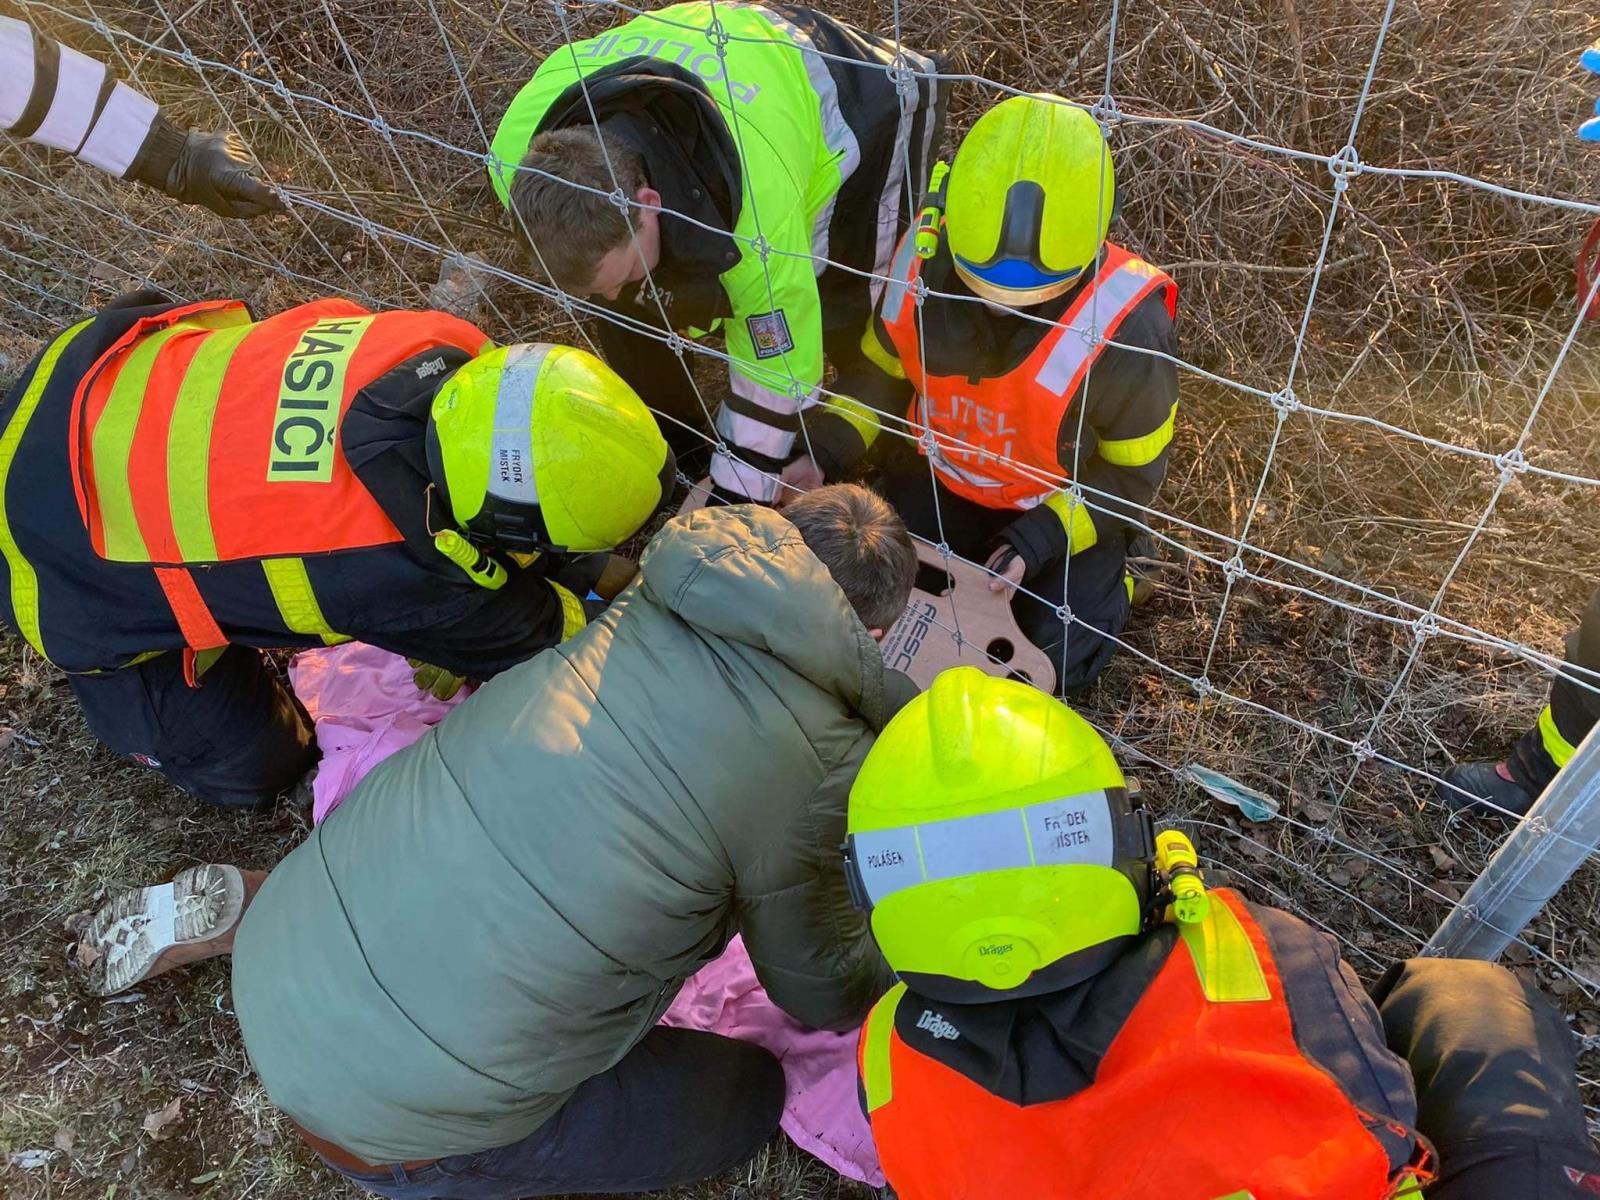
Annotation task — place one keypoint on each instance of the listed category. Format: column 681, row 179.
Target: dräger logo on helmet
column 936, row 1025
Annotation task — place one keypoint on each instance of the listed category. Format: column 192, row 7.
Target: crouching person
column 453, row 985
column 1059, row 1031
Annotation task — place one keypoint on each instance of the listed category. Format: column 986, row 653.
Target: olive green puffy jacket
column 502, row 910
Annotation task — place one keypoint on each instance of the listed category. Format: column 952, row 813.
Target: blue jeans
column 681, row 1106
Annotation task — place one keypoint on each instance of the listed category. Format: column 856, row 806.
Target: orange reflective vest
column 201, row 436
column 1203, row 1095
column 994, row 442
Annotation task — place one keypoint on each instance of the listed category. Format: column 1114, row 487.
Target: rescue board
column 956, row 596
column 923, row 641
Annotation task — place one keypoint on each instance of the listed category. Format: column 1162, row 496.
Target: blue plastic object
column 1589, row 60
column 1253, row 805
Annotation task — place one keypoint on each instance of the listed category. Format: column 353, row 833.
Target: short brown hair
column 864, row 544
column 573, row 229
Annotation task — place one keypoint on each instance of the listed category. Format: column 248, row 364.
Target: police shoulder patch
column 769, row 334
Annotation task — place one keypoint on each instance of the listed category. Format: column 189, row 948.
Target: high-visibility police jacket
column 180, row 477
column 1238, row 1058
column 759, row 146
column 1019, row 403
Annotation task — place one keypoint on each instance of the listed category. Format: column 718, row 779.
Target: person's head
column 588, row 246
column 991, row 839
column 541, row 447
column 864, row 544
column 1028, row 200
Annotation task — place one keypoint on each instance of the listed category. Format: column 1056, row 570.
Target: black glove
column 1038, row 538
column 212, row 169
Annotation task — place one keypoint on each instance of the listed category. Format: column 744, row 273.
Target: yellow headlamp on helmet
column 991, row 838
column 542, row 447
column 1028, row 200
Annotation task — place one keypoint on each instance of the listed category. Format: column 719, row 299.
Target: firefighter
column 182, row 484
column 1022, row 350
column 57, row 97
column 1079, row 1017
column 1509, row 788
column 766, row 158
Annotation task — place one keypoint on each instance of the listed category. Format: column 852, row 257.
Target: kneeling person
column 182, row 484
column 453, row 985
column 1026, row 353
column 1053, row 1036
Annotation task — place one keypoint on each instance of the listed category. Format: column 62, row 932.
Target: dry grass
column 1439, row 312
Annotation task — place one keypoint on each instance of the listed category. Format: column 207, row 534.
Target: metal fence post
column 1557, row 836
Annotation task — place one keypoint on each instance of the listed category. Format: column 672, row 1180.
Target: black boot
column 1497, row 793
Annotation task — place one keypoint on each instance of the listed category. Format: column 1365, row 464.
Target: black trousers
column 1093, row 585
column 681, row 1106
column 1496, row 1074
column 237, row 740
column 1574, row 707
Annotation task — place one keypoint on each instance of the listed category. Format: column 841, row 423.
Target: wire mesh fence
column 1380, row 512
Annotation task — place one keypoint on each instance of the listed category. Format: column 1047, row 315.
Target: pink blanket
column 366, row 707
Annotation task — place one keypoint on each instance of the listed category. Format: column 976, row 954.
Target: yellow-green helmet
column 1028, row 200
column 991, row 840
column 541, row 447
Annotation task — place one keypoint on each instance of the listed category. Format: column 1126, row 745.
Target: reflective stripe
column 72, row 108
column 573, row 616
column 1071, row 830
column 112, row 442
column 1139, row 451
column 17, row 68
column 862, row 419
column 119, row 131
column 24, row 582
column 900, row 165
column 771, row 399
column 836, row 132
column 1224, row 959
column 1111, row 296
column 877, row 1079
column 189, row 445
column 296, row 599
column 749, row 434
column 511, row 467
column 743, row 480
column 1075, row 519
column 886, row 362
column 894, row 296
column 1557, row 747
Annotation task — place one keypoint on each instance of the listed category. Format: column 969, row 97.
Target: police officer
column 768, row 157
column 1078, row 1016
column 55, row 96
column 1024, row 351
column 181, row 484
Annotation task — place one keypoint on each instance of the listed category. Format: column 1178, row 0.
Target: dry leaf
column 157, row 1121
column 86, row 954
column 1442, row 862
column 7, row 736
column 65, row 1140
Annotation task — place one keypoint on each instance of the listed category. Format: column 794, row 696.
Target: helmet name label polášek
column 1069, row 831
